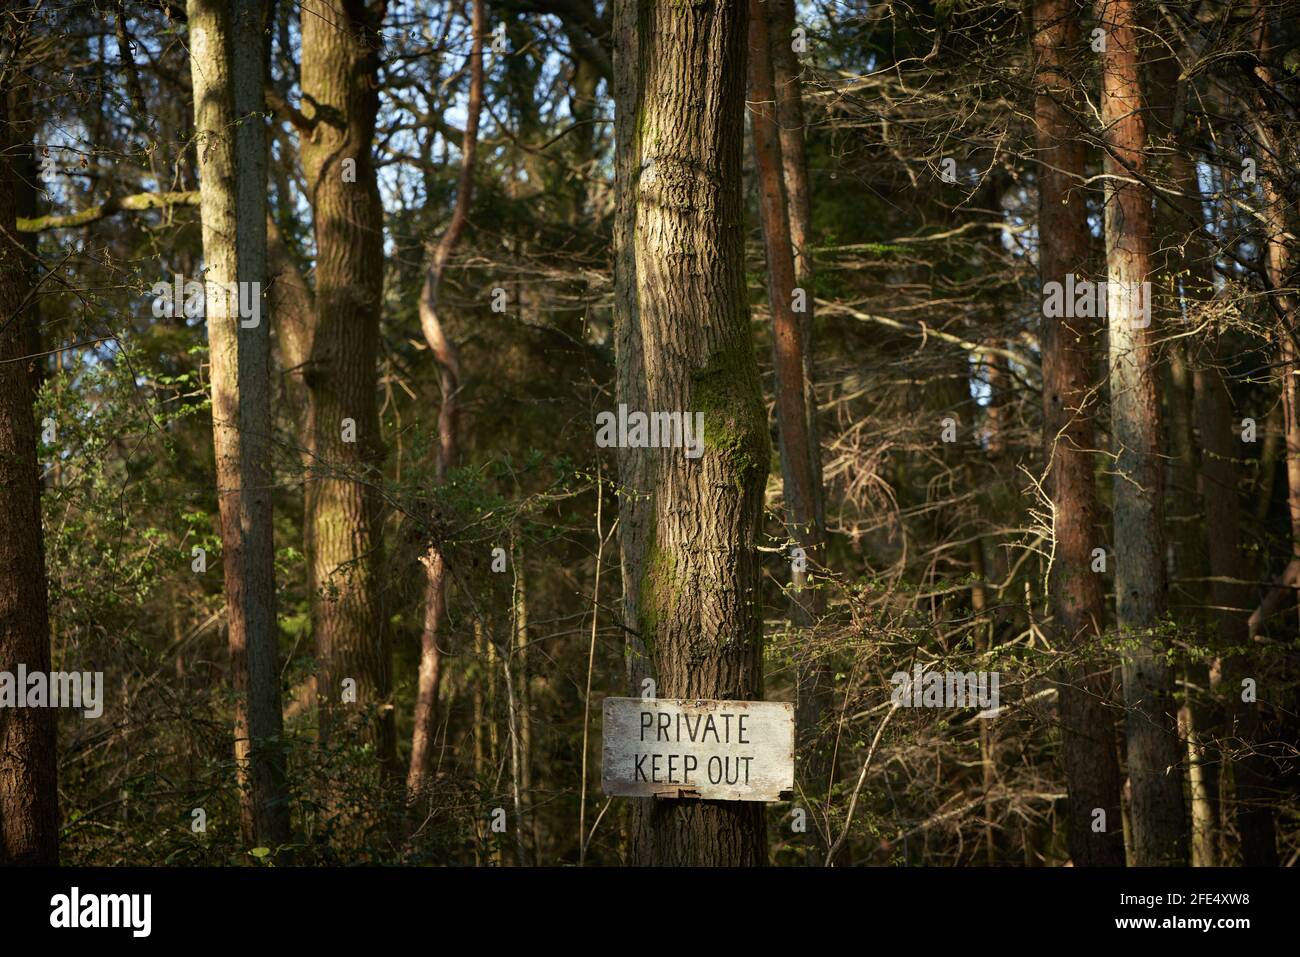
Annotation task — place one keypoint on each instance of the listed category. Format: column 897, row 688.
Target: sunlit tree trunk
column 788, row 303
column 228, row 80
column 1068, row 362
column 433, row 640
column 685, row 345
column 1154, row 751
column 340, row 97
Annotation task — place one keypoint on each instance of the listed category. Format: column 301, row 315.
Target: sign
column 711, row 750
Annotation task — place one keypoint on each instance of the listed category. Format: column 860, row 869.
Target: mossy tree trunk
column 340, row 96
column 682, row 332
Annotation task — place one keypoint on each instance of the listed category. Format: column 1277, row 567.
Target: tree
column 340, row 63
column 798, row 190
column 688, row 525
column 1078, row 607
column 444, row 350
column 1154, row 752
column 29, row 800
column 789, row 302
column 228, row 79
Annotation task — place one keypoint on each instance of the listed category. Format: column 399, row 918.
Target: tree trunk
column 1078, row 606
column 794, row 159
column 1154, row 751
column 525, row 707
column 685, row 346
column 1202, row 479
column 1256, row 828
column 29, row 799
column 630, row 385
column 1231, row 598
column 228, row 80
column 800, row 480
column 432, row 640
column 340, row 96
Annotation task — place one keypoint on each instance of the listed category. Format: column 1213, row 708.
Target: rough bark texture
column 293, row 319
column 634, row 515
column 29, row 800
column 228, row 81
column 1068, row 362
column 689, row 524
column 1154, row 750
column 270, row 801
column 340, row 96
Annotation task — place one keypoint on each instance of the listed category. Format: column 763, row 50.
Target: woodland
column 385, row 384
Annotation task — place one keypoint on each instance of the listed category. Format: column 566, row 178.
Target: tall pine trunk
column 29, row 799
column 1154, row 751
column 798, row 191
column 682, row 328
column 1068, row 361
column 801, row 480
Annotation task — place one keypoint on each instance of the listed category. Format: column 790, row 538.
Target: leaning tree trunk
column 1154, row 751
column 684, row 345
column 228, row 80
column 340, row 95
column 29, row 799
column 432, row 637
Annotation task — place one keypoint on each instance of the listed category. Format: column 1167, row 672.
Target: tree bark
column 686, row 346
column 1253, row 793
column 1068, row 364
column 228, row 78
column 340, row 96
column 800, row 479
column 29, row 799
column 798, row 189
column 432, row 640
column 1154, row 751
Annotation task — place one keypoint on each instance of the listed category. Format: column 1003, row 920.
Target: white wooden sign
column 711, row 750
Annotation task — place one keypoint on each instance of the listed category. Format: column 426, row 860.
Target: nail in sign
column 689, row 748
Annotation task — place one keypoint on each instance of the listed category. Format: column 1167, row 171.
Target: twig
column 857, row 788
